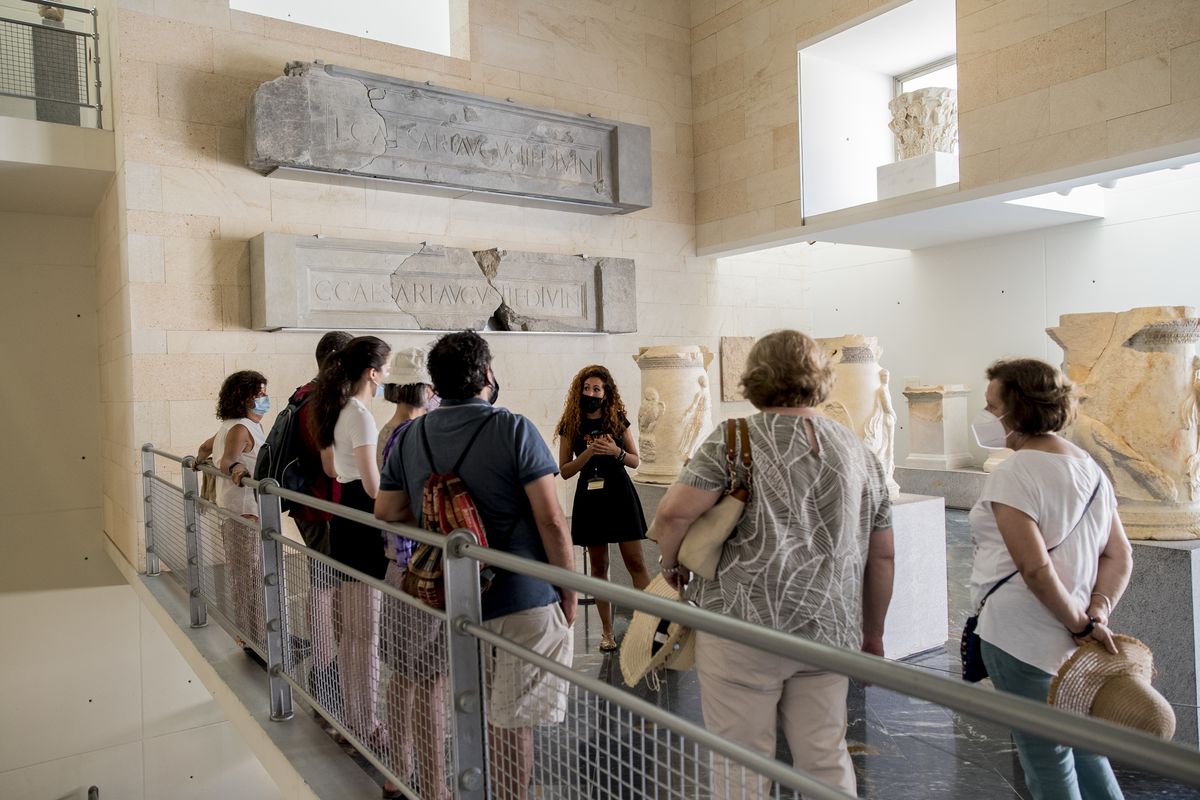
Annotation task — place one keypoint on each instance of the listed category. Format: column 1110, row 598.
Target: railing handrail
column 1170, row 759
column 63, row 6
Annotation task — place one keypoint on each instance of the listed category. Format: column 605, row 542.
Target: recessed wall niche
column 847, row 78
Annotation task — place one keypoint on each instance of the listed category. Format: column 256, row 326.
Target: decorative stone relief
column 309, row 282
column 925, row 121
column 1138, row 374
column 937, row 427
column 861, row 399
column 734, row 352
column 433, row 140
column 676, row 411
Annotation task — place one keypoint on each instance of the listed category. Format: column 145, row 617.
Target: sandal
column 608, row 643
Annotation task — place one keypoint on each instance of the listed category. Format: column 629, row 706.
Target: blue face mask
column 262, row 405
column 379, row 391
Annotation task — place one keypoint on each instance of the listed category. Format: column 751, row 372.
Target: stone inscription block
column 734, row 351
column 309, row 282
column 331, row 119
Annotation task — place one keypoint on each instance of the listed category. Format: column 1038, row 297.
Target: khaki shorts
column 519, row 694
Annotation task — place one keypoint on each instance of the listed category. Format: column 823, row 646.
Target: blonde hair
column 786, row 369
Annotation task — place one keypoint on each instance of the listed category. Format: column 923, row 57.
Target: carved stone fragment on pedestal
column 925, row 121
column 1138, row 373
column 676, row 410
column 937, row 427
column 861, row 399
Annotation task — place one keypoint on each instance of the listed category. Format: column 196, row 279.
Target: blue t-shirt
column 508, row 454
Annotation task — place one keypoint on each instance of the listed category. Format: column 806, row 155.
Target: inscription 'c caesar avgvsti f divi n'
column 305, row 282
column 327, row 118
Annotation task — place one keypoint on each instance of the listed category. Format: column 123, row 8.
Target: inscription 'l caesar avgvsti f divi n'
column 326, row 118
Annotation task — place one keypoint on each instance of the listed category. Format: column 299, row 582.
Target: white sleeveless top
column 238, row 499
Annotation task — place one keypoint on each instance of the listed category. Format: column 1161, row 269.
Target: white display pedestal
column 959, row 487
column 1160, row 608
column 918, row 618
column 916, row 174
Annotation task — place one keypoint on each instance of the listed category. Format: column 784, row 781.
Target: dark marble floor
column 903, row 747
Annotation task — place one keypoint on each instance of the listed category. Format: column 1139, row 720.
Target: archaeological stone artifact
column 428, row 139
column 676, row 410
column 1138, row 378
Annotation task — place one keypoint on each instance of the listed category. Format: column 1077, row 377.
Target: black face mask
column 494, row 395
column 590, row 404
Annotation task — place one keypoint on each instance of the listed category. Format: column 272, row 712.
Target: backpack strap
column 462, row 456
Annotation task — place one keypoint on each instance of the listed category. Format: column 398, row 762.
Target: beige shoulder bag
column 701, row 548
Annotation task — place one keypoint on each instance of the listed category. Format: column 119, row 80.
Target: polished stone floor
column 903, row 747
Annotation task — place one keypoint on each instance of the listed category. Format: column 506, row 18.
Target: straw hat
column 651, row 642
column 1115, row 688
column 408, row 366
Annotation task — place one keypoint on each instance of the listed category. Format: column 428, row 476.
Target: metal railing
column 438, row 670
column 50, row 63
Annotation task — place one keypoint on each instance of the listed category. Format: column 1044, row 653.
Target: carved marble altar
column 676, row 409
column 861, row 399
column 937, row 426
column 1139, row 382
column 734, row 352
column 925, row 121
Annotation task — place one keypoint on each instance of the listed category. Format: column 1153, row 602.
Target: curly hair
column 786, row 369
column 1037, row 397
column 458, row 365
column 612, row 410
column 238, row 392
column 335, row 383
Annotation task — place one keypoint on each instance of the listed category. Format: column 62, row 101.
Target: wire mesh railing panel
column 230, row 550
column 170, row 544
column 43, row 62
column 376, row 664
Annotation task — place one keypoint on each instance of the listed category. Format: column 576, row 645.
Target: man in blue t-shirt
column 510, row 473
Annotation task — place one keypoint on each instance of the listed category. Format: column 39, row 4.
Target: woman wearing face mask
column 347, row 434
column 1051, row 560
column 595, row 442
column 241, row 405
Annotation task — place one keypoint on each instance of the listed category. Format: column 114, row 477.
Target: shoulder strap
column 1086, row 506
column 463, row 455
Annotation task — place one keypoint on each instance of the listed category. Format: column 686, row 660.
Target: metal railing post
column 96, row 62
column 466, row 676
column 152, row 568
column 191, row 534
column 274, row 601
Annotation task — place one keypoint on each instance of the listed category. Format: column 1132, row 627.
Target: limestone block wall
column 185, row 208
column 1042, row 86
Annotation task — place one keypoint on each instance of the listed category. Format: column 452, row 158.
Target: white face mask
column 989, row 431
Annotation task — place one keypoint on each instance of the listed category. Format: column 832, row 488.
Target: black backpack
column 283, row 452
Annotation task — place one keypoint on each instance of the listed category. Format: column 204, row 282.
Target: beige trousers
column 744, row 692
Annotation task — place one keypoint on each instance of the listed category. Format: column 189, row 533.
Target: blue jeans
column 1052, row 771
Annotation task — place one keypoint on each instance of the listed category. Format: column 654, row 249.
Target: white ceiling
column 912, row 35
column 41, row 189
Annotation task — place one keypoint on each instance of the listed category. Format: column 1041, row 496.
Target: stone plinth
column 861, row 399
column 937, row 427
column 306, row 282
column 430, row 139
column 916, row 174
column 960, row 488
column 676, row 409
column 917, row 617
column 1160, row 608
column 1138, row 375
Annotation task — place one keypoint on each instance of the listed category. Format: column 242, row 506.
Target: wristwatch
column 669, row 570
column 1091, row 626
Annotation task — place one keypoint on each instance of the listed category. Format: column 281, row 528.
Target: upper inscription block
column 330, row 119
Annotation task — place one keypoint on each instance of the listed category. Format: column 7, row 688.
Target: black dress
column 607, row 508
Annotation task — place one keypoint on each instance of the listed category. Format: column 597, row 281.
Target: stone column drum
column 1139, row 414
column 676, row 408
column 937, row 426
column 861, row 399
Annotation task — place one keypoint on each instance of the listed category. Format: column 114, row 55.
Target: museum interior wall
column 95, row 693
column 1041, row 87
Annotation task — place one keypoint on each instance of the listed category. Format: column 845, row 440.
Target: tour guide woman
column 595, row 442
column 811, row 556
column 1048, row 495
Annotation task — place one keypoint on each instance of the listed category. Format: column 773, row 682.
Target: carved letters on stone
column 306, row 282
column 332, row 119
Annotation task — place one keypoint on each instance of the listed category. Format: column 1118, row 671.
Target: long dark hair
column 335, row 383
column 612, row 410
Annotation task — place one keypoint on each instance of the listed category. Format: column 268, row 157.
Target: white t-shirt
column 355, row 427
column 238, row 499
column 1052, row 489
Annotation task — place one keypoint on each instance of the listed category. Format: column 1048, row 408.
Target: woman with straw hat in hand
column 1051, row 561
